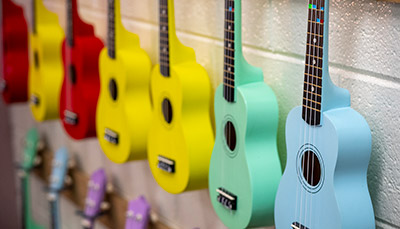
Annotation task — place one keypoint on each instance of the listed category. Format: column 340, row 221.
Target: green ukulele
column 245, row 169
column 28, row 163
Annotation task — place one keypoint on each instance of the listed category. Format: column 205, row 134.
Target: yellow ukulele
column 181, row 135
column 46, row 68
column 124, row 106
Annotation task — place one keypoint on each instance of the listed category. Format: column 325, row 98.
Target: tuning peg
column 109, row 188
column 153, row 217
column 71, row 164
column 21, row 173
column 68, row 181
column 86, row 223
column 51, row 196
column 37, row 161
column 105, row 206
column 40, row 146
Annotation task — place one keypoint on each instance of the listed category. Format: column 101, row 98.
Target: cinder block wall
column 364, row 58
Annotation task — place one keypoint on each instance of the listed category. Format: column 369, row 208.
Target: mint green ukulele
column 30, row 149
column 245, row 169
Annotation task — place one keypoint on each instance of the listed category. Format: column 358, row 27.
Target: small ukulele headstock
column 138, row 214
column 96, row 192
column 59, row 170
column 30, row 149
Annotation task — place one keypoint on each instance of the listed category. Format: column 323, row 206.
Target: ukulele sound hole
column 36, row 59
column 311, row 168
column 167, row 110
column 112, row 88
column 230, row 135
column 72, row 74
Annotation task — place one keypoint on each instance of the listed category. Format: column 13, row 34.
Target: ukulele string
column 313, row 110
column 320, row 64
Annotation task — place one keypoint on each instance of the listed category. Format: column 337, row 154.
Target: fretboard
column 70, row 26
column 229, row 51
column 164, row 39
column 111, row 29
column 34, row 17
column 312, row 91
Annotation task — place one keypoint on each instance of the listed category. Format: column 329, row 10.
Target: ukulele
column 81, row 86
column 181, row 135
column 94, row 198
column 245, row 168
column 14, row 51
column 45, row 72
column 124, row 107
column 57, row 183
column 29, row 162
column 324, row 184
column 138, row 214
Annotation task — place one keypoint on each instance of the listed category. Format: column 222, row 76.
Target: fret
column 312, row 108
column 315, row 22
column 310, row 75
column 111, row 30
column 226, row 78
column 313, row 66
column 312, row 101
column 229, row 85
column 314, row 34
column 320, row 58
column 164, row 38
column 315, row 46
column 229, row 57
column 70, row 24
column 312, row 93
column 312, row 84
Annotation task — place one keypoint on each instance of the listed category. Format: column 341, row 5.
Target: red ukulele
column 14, row 53
column 81, row 86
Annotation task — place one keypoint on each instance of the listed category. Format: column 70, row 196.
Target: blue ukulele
column 57, row 184
column 328, row 144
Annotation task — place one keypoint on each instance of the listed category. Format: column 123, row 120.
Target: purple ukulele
column 138, row 214
column 94, row 198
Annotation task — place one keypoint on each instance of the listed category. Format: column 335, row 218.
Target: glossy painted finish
column 188, row 139
column 343, row 145
column 138, row 214
column 46, row 71
column 252, row 170
column 80, row 97
column 128, row 115
column 14, row 53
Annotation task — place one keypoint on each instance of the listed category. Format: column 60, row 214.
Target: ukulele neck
column 315, row 61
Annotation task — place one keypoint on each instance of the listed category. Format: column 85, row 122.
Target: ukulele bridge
column 70, row 117
column 227, row 199
column 297, row 225
column 111, row 136
column 35, row 100
column 166, row 164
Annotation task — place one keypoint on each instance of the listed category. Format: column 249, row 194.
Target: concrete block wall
column 364, row 58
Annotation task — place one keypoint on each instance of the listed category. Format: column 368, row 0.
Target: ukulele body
column 341, row 198
column 129, row 114
column 15, row 53
column 252, row 170
column 188, row 139
column 81, row 97
column 46, row 71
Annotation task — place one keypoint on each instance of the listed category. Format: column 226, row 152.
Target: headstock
column 97, row 186
column 59, row 170
column 31, row 147
column 138, row 214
